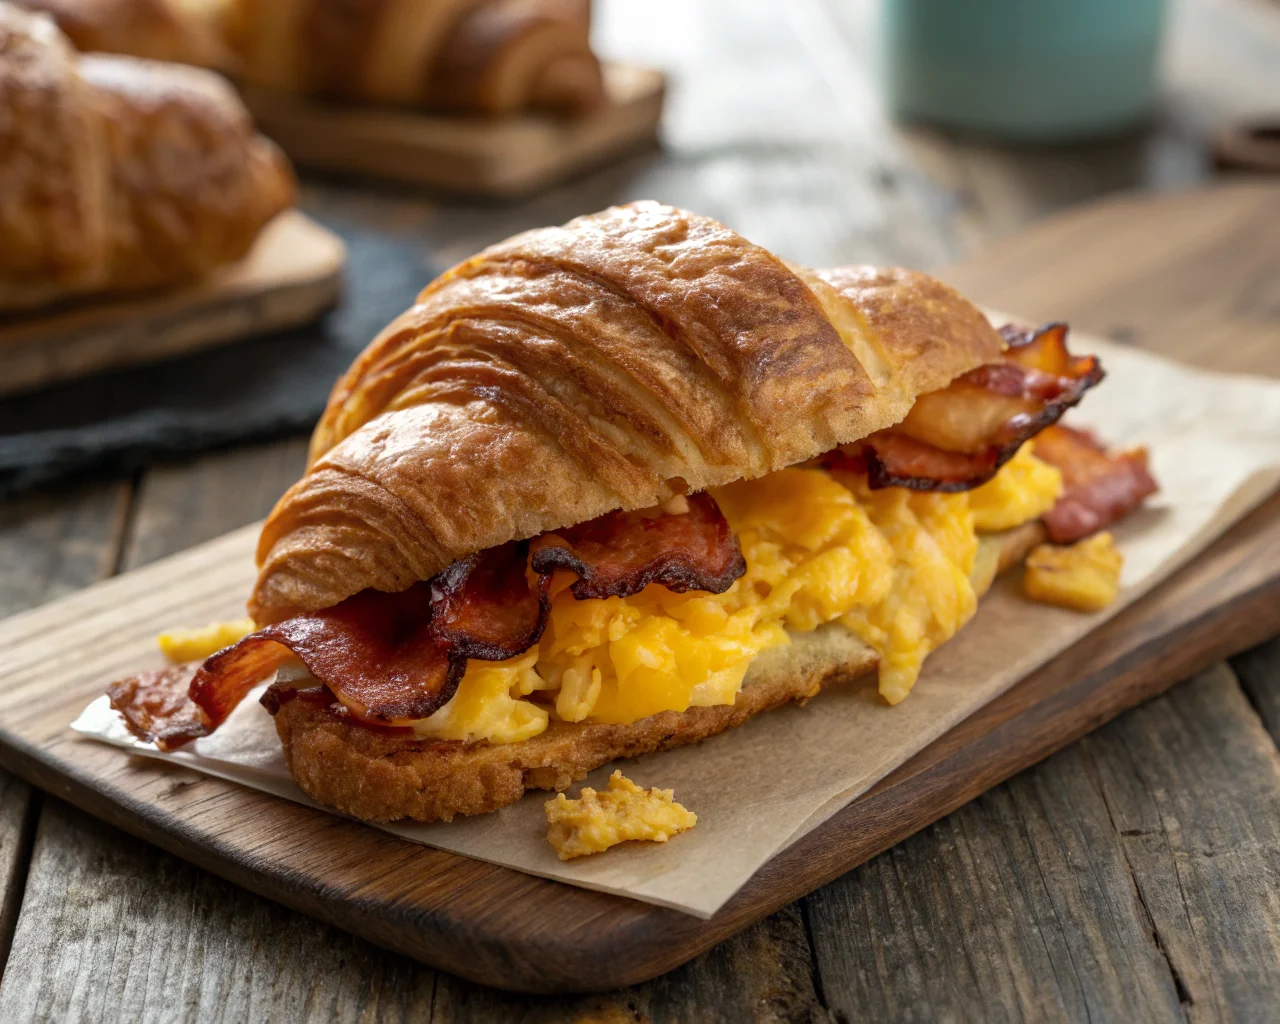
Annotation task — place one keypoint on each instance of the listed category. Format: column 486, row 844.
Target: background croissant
column 466, row 56
column 120, row 174
column 616, row 361
column 474, row 56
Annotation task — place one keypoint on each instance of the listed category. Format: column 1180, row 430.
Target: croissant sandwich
column 118, row 173
column 620, row 485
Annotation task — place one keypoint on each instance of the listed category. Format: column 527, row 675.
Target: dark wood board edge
column 1074, row 694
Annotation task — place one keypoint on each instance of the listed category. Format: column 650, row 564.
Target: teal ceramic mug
column 1024, row 70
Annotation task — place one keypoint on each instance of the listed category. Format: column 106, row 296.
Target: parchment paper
column 1215, row 444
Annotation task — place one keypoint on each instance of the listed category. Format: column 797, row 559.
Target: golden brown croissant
column 741, row 482
column 473, row 56
column 624, row 358
column 156, row 29
column 121, row 174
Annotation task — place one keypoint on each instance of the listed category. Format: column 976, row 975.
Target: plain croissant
column 118, row 173
column 471, row 56
column 626, row 357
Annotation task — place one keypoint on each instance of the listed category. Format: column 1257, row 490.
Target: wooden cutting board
column 512, row 930
column 497, row 158
column 292, row 274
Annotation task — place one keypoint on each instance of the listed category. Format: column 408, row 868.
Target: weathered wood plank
column 765, row 155
column 113, row 928
column 49, row 546
column 53, row 544
column 1259, row 674
column 1019, row 905
column 1131, row 877
column 764, row 975
column 1193, row 786
column 183, row 504
column 108, row 921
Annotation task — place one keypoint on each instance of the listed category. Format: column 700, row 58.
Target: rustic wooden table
column 1090, row 887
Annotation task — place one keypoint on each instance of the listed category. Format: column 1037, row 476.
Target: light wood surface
column 476, row 156
column 292, row 274
column 1129, row 267
column 491, row 924
column 1019, row 906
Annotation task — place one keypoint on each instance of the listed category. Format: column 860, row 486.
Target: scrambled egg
column 179, row 645
column 1024, row 489
column 1084, row 576
column 901, row 569
column 596, row 821
column 488, row 704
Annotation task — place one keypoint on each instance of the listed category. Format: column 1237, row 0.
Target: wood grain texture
column 1207, row 868
column 55, row 544
column 109, row 922
column 181, row 505
column 1192, row 274
column 292, row 274
column 1115, row 881
column 1033, row 875
column 48, row 547
column 455, row 932
column 476, row 156
column 1259, row 673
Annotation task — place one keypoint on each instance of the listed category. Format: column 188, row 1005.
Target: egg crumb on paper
column 1084, row 576
column 596, row 821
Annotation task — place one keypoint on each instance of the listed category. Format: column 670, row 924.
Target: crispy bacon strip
column 393, row 658
column 483, row 606
column 1099, row 488
column 621, row 553
column 155, row 706
column 278, row 694
column 957, row 438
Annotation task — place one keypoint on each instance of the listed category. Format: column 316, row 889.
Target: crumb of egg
column 180, row 645
column 1084, row 576
column 624, row 812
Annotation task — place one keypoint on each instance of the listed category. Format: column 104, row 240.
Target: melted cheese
column 1084, row 576
column 901, row 569
column 622, row 813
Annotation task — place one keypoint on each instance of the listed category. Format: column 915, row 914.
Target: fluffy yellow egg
column 488, row 704
column 1025, row 489
column 899, row 568
column 179, row 645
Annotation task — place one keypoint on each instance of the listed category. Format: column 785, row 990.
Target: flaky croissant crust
column 610, row 363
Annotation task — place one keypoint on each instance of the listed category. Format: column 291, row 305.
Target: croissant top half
column 627, row 356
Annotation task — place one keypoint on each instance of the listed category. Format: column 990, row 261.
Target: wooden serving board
column 292, row 274
column 499, row 158
column 515, row 931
